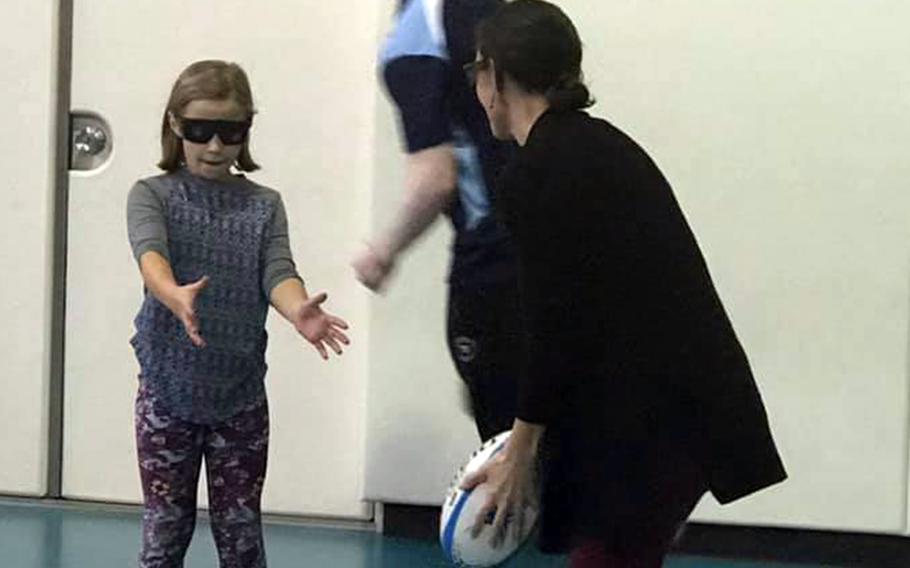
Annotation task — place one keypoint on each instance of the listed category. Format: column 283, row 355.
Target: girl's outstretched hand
column 182, row 303
column 320, row 328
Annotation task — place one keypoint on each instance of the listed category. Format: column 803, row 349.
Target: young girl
column 212, row 247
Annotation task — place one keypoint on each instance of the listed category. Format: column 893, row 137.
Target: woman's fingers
column 485, row 516
column 501, row 521
column 472, row 480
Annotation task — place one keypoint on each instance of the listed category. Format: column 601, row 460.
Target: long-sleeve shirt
column 236, row 234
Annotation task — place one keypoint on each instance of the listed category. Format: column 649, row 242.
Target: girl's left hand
column 320, row 328
column 509, row 480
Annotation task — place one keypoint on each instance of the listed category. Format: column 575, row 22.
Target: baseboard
column 825, row 548
column 134, row 510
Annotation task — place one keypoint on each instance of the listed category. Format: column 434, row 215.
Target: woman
column 638, row 397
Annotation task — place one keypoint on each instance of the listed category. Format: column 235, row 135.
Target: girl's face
column 212, row 132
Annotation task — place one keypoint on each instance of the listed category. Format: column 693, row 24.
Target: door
column 310, row 64
column 26, row 154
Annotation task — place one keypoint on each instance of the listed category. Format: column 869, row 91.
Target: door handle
column 91, row 143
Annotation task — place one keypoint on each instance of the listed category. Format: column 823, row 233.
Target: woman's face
column 491, row 99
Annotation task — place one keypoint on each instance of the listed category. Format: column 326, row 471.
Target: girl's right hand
column 182, row 301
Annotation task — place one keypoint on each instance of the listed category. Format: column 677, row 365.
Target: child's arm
column 288, row 295
column 159, row 280
column 305, row 314
column 147, row 230
column 430, row 185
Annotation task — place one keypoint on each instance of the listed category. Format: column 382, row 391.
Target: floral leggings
column 170, row 455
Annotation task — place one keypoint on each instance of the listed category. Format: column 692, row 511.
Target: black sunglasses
column 471, row 69
column 230, row 132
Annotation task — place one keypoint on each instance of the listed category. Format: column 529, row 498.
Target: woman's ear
column 495, row 91
column 174, row 124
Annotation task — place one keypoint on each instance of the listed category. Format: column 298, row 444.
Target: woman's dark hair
column 535, row 44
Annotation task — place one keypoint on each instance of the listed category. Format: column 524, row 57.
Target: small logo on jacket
column 465, row 349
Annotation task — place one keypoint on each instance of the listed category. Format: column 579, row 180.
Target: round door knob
column 89, row 140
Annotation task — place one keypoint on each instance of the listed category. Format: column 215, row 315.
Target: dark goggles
column 230, row 132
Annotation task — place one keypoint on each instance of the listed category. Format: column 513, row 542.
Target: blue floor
column 46, row 537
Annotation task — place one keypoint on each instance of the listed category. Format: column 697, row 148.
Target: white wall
column 28, row 68
column 318, row 114
column 783, row 134
column 783, row 128
column 416, row 419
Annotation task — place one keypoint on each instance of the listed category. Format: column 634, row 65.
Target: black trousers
column 486, row 342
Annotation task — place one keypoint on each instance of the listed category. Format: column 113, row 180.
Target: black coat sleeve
column 562, row 232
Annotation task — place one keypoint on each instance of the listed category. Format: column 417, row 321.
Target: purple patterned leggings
column 170, row 455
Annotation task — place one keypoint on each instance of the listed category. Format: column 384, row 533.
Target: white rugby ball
column 460, row 510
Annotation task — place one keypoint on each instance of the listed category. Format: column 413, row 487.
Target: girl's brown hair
column 213, row 80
